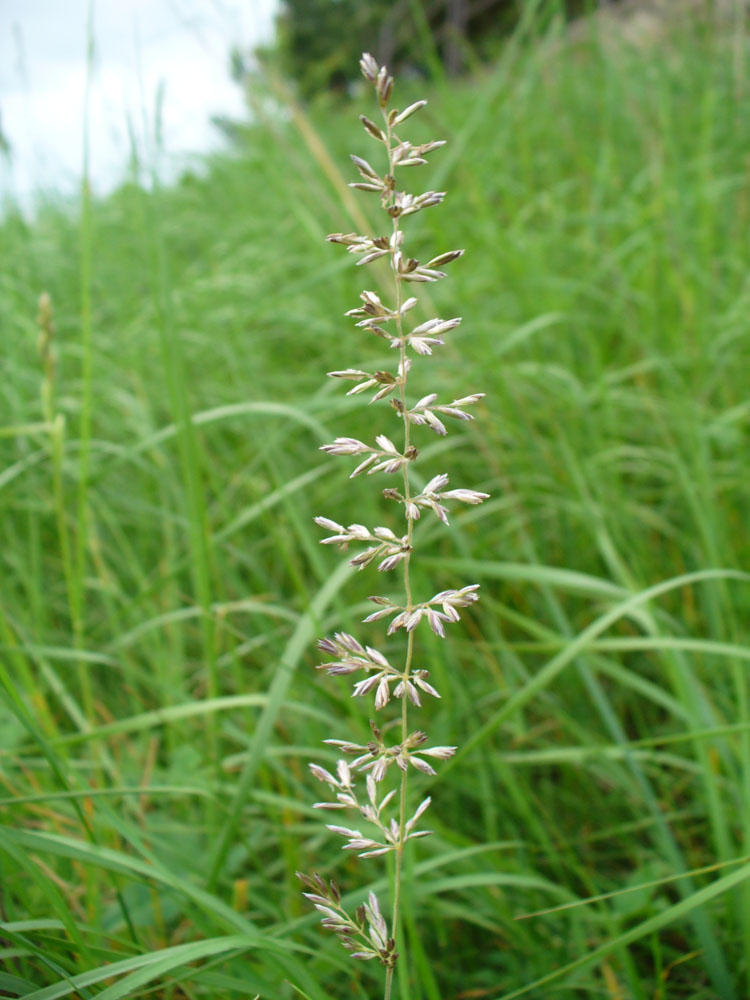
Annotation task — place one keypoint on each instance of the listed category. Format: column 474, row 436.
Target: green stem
column 79, row 554
column 409, row 603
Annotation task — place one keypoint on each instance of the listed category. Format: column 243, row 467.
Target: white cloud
column 140, row 46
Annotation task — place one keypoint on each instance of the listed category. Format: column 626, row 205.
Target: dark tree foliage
column 320, row 41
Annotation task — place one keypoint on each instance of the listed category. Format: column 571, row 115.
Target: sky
column 180, row 47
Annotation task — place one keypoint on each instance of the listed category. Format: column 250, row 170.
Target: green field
column 162, row 585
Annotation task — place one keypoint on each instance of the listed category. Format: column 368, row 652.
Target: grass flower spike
column 372, row 779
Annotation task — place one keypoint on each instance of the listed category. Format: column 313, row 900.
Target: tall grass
column 154, row 731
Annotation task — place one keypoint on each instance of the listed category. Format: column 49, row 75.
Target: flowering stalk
column 366, row 935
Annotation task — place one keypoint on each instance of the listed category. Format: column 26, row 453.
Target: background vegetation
column 319, row 42
column 161, row 583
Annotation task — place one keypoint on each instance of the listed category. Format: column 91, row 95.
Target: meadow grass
column 161, row 583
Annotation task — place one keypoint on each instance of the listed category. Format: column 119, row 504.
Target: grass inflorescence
column 368, row 935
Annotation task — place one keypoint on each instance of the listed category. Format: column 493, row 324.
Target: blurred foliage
column 319, row 41
column 158, row 611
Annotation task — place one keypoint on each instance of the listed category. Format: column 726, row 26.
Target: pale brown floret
column 424, row 411
column 369, row 67
column 389, row 549
column 401, row 116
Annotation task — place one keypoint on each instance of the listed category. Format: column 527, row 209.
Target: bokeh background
column 169, row 174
